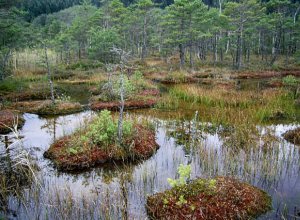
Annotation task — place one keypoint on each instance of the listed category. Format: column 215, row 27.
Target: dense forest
column 222, row 32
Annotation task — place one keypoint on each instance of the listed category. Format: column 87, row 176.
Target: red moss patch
column 8, row 119
column 130, row 104
column 293, row 136
column 142, row 146
column 227, row 199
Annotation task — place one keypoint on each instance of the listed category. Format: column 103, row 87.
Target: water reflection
column 120, row 192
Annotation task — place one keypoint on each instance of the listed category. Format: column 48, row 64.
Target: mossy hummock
column 145, row 99
column 46, row 107
column 219, row 199
column 130, row 104
column 8, row 119
column 293, row 136
column 140, row 145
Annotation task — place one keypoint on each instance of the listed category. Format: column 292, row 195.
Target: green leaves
column 73, row 151
column 103, row 130
column 184, row 172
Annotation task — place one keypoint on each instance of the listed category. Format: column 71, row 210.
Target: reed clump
column 263, row 106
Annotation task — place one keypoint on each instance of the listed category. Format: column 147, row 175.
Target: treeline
column 221, row 31
column 195, row 30
column 35, row 8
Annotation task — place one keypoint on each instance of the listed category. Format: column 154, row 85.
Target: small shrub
column 104, row 130
column 290, row 80
column 110, row 91
column 292, row 83
column 12, row 85
column 184, row 175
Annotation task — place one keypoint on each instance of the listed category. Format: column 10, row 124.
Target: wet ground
column 120, row 191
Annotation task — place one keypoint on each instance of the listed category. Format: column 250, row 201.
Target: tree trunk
column 275, row 49
column 221, row 55
column 120, row 121
column 296, row 13
column 49, row 75
column 215, row 42
column 79, row 51
column 4, row 64
column 239, row 49
column 191, row 56
column 144, row 46
column 181, row 55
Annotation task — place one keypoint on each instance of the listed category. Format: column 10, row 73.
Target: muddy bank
column 46, row 107
column 141, row 146
column 218, row 199
column 145, row 99
column 175, row 77
column 25, row 96
column 130, row 104
column 293, row 136
column 176, row 81
column 8, row 119
column 265, row 74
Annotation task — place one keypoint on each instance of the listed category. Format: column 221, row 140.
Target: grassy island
column 46, row 107
column 98, row 143
column 140, row 93
column 293, row 136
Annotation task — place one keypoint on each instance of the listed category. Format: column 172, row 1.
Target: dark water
column 76, row 92
column 120, row 192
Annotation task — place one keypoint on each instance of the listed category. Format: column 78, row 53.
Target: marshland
column 122, row 109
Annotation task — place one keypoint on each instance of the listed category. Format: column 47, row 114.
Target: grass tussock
column 293, row 136
column 13, row 177
column 24, row 86
column 9, row 120
column 228, row 105
column 172, row 77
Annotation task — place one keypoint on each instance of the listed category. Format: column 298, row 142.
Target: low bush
column 104, row 130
